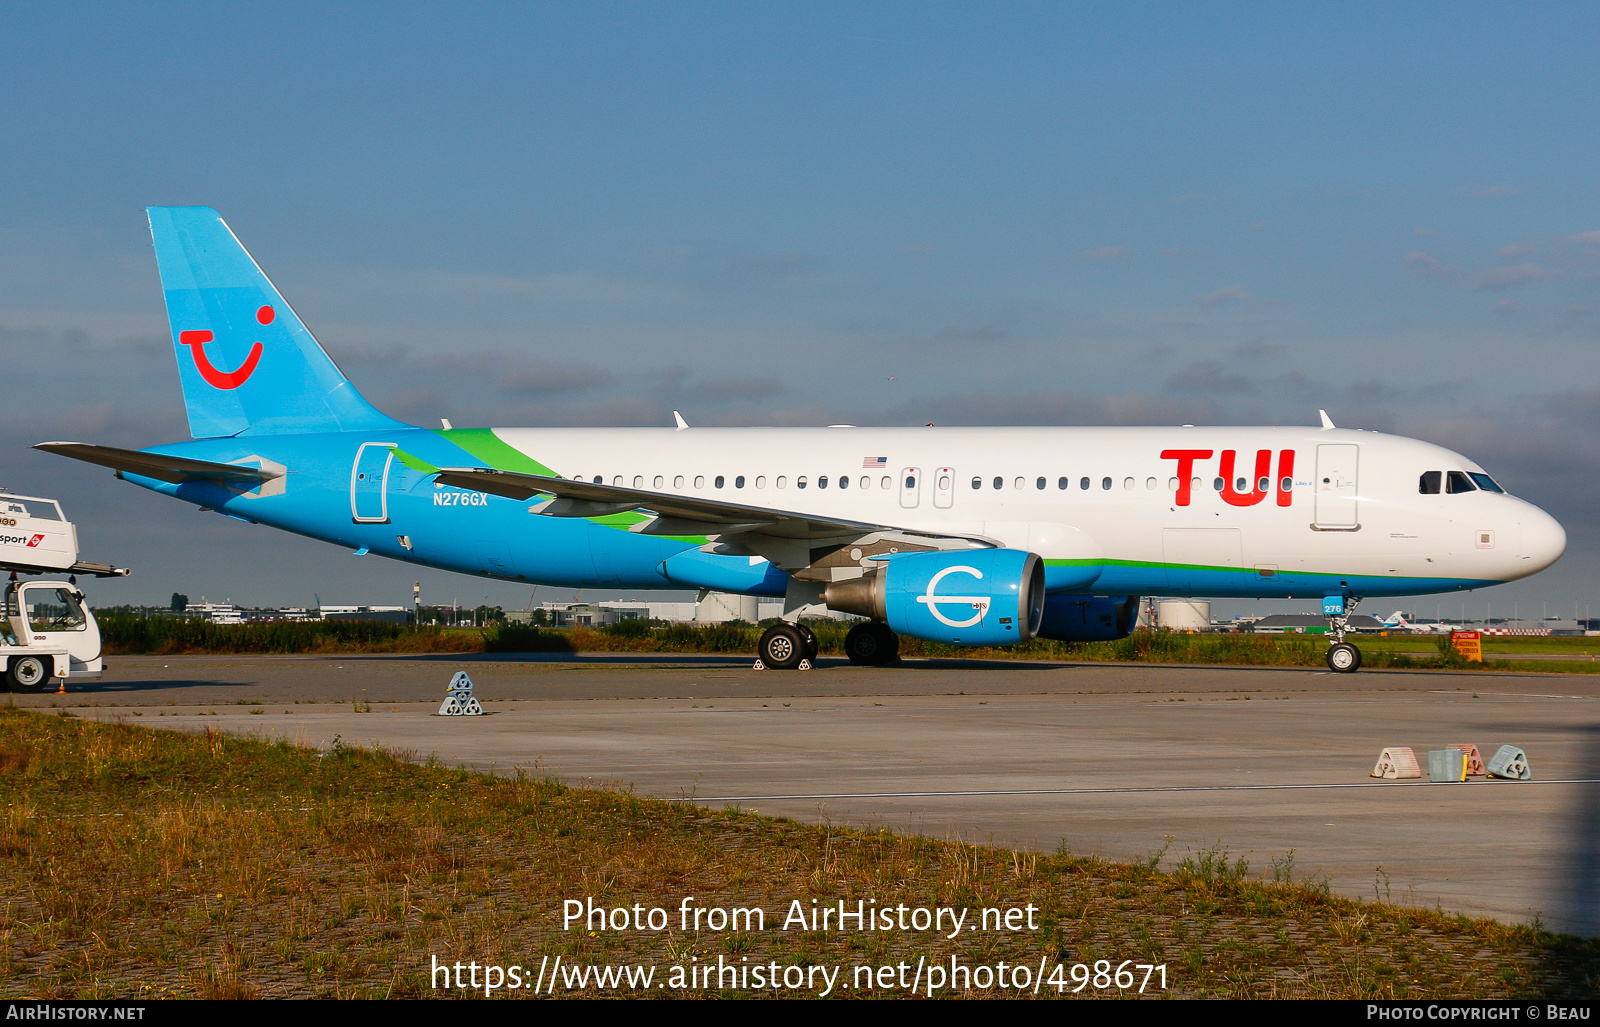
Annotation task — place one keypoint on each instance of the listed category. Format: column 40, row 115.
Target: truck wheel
column 28, row 674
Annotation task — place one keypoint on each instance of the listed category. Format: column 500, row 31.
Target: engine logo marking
column 933, row 599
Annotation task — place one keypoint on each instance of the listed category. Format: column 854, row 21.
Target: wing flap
column 174, row 469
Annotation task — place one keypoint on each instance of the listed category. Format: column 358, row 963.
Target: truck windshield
column 54, row 609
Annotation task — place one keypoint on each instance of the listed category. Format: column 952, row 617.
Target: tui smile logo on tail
column 196, row 341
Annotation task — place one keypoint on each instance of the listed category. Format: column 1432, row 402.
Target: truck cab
column 49, row 632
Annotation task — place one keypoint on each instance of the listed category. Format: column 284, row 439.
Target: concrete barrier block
column 1397, row 762
column 458, row 698
column 1510, row 763
column 1447, row 765
column 1475, row 766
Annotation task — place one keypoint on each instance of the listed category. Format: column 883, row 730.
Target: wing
column 175, row 469
column 674, row 515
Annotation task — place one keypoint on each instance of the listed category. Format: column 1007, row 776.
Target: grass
column 165, row 636
column 138, row 863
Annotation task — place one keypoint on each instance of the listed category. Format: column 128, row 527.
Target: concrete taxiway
column 1118, row 760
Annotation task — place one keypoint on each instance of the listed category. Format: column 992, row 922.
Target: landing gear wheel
column 782, row 647
column 27, row 674
column 872, row 644
column 1344, row 658
column 810, row 638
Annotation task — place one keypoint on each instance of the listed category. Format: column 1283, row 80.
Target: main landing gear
column 1343, row 658
column 872, row 644
column 794, row 646
column 786, row 647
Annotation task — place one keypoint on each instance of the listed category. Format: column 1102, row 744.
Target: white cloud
column 1505, row 277
column 1423, row 266
column 1221, row 297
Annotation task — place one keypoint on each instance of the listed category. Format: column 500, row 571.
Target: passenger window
column 638, row 481
column 782, row 481
column 761, row 481
column 1285, row 484
column 1429, row 483
column 719, row 481
column 599, row 479
column 738, row 482
column 999, row 482
column 1217, row 484
column 1083, row 483
column 822, row 482
column 800, row 482
column 1127, row 484
column 911, row 481
column 617, row 480
column 1262, row 484
column 699, row 481
column 1105, row 484
column 1061, row 483
column 659, row 481
column 677, row 481
column 1149, row 484
column 977, row 483
column 1458, row 482
column 844, row 481
column 1020, row 482
column 888, row 483
column 1039, row 484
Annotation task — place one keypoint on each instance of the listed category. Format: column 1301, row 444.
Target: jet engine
column 1089, row 618
column 968, row 597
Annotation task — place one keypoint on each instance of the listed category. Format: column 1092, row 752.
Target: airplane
column 969, row 536
column 1398, row 620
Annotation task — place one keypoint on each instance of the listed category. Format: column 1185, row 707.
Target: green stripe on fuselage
column 492, row 451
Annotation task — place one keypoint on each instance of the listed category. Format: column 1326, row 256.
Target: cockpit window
column 1459, row 482
column 1429, row 483
column 1485, row 482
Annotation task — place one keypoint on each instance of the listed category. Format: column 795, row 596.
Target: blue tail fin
column 248, row 366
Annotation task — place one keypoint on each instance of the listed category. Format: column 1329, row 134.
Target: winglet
column 1327, row 422
column 682, row 424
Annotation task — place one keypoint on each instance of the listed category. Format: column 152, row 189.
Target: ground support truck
column 49, row 631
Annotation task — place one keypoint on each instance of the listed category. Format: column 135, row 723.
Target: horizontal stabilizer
column 175, row 469
column 678, row 514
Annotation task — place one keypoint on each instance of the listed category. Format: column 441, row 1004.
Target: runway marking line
column 1103, row 791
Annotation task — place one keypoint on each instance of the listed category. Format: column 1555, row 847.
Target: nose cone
column 1543, row 541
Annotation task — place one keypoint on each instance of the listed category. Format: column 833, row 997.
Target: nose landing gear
column 1343, row 658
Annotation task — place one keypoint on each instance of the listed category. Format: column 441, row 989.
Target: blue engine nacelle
column 1089, row 618
column 968, row 597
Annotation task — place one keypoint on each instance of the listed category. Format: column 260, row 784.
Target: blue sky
column 1024, row 213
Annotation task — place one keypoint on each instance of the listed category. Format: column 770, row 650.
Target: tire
column 28, row 674
column 872, row 645
column 1344, row 658
column 782, row 647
